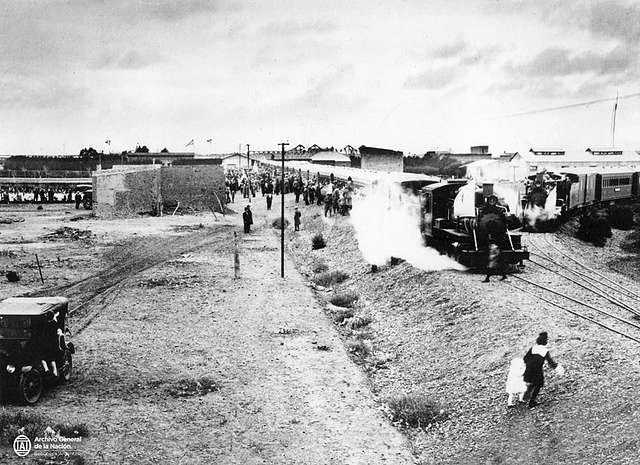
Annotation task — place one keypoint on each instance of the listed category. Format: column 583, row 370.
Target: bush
column 595, row 227
column 344, row 300
column 341, row 315
column 414, row 410
column 358, row 321
column 328, row 279
column 318, row 242
column 320, row 268
column 359, row 347
column 72, row 431
column 621, row 217
column 276, row 223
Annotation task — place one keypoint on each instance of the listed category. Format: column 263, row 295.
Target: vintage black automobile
column 34, row 347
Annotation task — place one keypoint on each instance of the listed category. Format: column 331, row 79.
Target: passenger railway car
column 580, row 189
column 467, row 238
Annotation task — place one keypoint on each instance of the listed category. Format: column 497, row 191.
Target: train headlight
column 11, row 369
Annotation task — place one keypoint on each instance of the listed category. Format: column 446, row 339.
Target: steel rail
column 593, row 289
column 604, row 312
column 579, row 315
column 625, row 290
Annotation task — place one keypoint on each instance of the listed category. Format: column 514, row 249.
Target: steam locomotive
column 461, row 220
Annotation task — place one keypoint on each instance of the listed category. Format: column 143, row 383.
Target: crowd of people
column 48, row 194
column 336, row 196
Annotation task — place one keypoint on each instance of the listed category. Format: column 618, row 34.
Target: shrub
column 276, row 223
column 595, row 227
column 328, row 279
column 414, row 410
column 318, row 242
column 621, row 217
column 357, row 321
column 342, row 315
column 359, row 347
column 320, row 268
column 344, row 300
column 72, row 431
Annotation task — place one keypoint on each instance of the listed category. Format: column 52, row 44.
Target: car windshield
column 15, row 327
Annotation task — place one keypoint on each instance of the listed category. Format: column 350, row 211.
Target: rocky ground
column 447, row 336
column 178, row 361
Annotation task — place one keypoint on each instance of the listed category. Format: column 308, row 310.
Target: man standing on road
column 269, row 193
column 247, row 218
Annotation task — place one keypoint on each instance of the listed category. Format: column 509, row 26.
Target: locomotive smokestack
column 487, row 190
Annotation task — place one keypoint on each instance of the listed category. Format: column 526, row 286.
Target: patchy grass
column 340, row 315
column 33, row 424
column 344, row 300
column 358, row 321
column 328, row 279
column 414, row 410
column 320, row 267
column 191, row 387
column 318, row 242
column 360, row 347
column 276, row 223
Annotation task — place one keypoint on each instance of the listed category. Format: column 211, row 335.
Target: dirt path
column 279, row 400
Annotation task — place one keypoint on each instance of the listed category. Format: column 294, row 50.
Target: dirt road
column 178, row 330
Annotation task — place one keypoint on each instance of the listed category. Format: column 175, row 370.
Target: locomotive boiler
column 461, row 220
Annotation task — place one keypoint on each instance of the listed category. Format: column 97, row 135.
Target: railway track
column 90, row 295
column 566, row 283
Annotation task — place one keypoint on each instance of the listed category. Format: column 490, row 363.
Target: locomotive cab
column 466, row 236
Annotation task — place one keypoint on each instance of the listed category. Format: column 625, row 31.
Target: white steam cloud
column 387, row 224
column 535, row 214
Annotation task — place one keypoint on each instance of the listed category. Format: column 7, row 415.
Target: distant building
column 331, row 158
column 480, row 149
column 373, row 158
column 165, row 158
column 558, row 160
column 477, row 152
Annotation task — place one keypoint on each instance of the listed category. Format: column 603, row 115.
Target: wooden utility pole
column 282, row 145
column 248, row 156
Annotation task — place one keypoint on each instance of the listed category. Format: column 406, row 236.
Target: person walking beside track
column 533, row 374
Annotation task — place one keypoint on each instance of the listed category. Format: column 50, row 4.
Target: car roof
column 31, row 305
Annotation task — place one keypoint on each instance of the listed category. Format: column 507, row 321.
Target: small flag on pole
column 189, row 143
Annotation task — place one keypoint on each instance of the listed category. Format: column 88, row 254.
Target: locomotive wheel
column 67, row 367
column 30, row 387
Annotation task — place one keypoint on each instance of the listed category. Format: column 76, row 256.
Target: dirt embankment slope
column 451, row 337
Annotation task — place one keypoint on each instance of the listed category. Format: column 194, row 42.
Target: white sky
column 410, row 75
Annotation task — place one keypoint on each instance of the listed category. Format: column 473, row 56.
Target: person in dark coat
column 78, row 200
column 533, row 374
column 269, row 193
column 247, row 219
column 296, row 219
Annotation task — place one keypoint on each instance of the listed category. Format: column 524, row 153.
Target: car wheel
column 67, row 367
column 30, row 387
